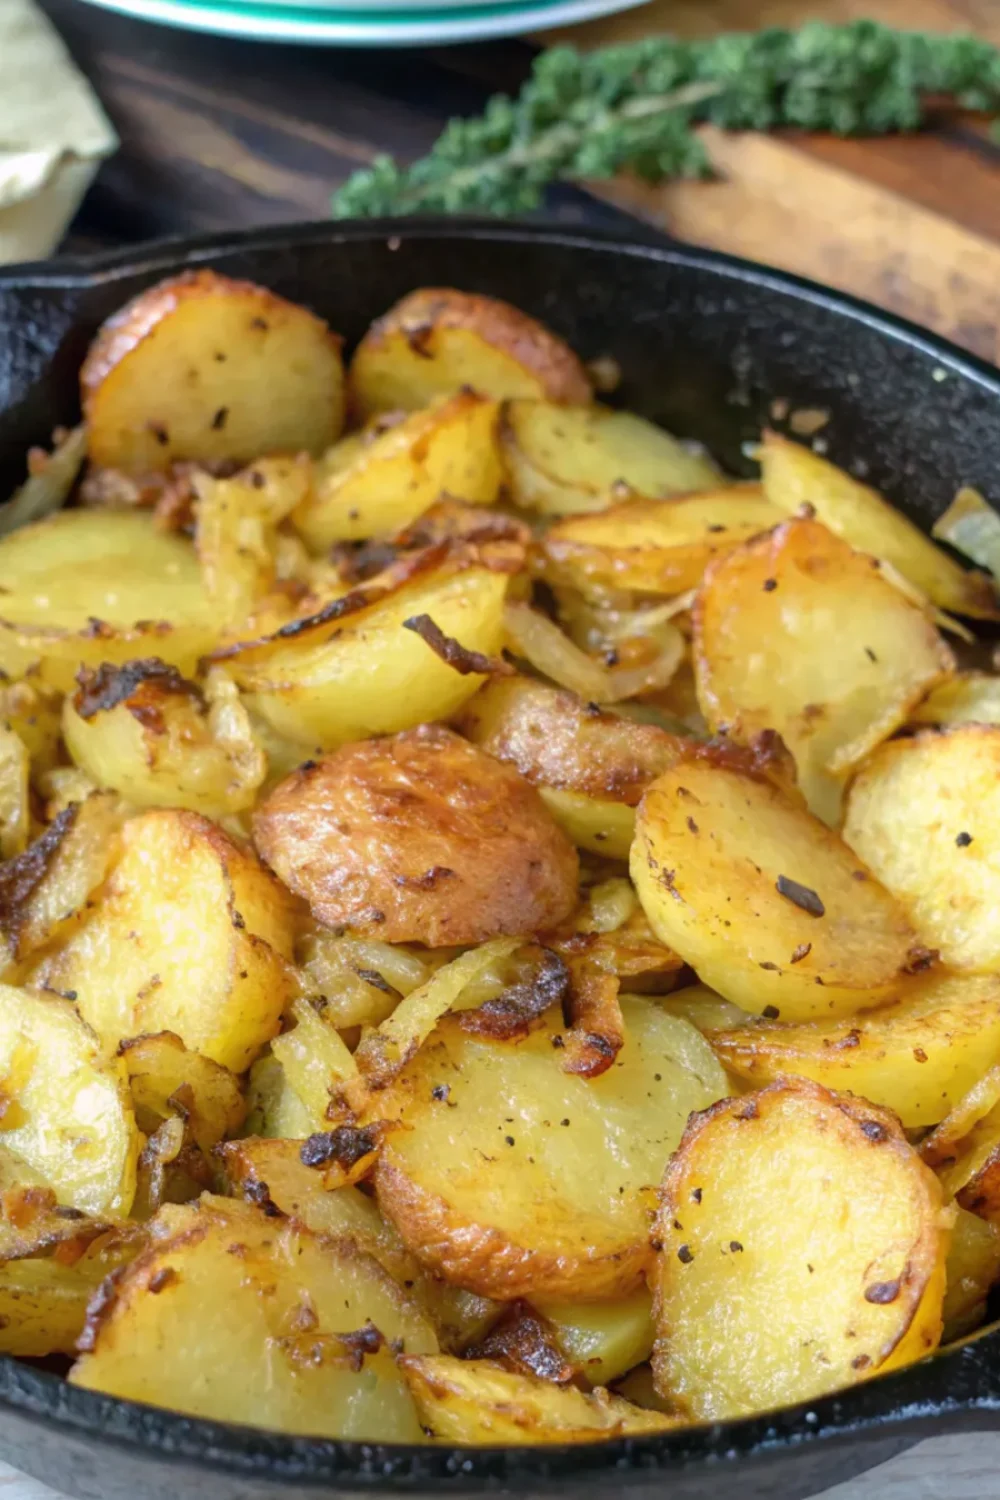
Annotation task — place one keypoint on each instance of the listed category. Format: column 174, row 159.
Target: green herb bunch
column 591, row 114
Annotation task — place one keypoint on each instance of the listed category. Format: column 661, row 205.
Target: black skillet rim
column 958, row 1389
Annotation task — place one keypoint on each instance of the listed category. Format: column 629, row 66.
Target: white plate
column 450, row 21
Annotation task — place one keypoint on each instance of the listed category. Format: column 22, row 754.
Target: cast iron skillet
column 706, row 343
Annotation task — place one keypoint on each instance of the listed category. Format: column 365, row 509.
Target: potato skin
column 419, row 837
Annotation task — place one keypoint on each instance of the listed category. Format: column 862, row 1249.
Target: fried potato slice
column 191, row 934
column 86, row 587
column 803, row 1249
column 968, row 698
column 437, row 340
column 378, row 484
column 273, row 1172
column 287, row 1330
column 490, row 1188
column 794, row 476
column 964, row 1150
column 943, row 1145
column 237, row 523
column 704, row 1008
column 798, row 633
column 159, row 739
column 973, row 1267
column 917, row 1056
column 67, row 1110
column 602, row 1339
column 772, row 910
column 655, row 546
column 923, row 813
column 44, row 1299
column 166, row 1079
column 478, row 1402
column 356, row 669
column 204, row 367
column 419, row 838
column 33, row 712
column 565, row 459
column 592, row 823
column 15, row 806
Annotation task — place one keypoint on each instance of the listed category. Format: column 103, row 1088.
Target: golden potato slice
column 204, row 367
column 657, row 547
column 602, row 1339
column 968, row 698
column 477, row 1402
column 33, row 712
column 490, row 1187
column 237, row 523
column 803, row 1248
column 704, row 1009
column 917, row 1056
column 44, row 1299
column 67, row 1110
column 237, row 1317
column 766, row 903
column 15, row 807
column 377, row 487
column 437, row 340
column 566, row 459
column 923, row 813
column 798, row 633
column 191, row 934
column 166, row 1079
column 943, row 1146
column 419, row 838
column 964, row 1150
column 973, row 1267
column 592, row 823
column 43, row 891
column 272, row 1173
column 357, row 668
column 86, row 587
column 145, row 731
column 794, row 476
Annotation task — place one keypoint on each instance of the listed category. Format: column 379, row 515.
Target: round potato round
column 419, row 838
column 514, row 1178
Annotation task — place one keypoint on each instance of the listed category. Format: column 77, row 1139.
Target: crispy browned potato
column 797, row 633
column 479, row 1402
column 489, row 1186
column 660, row 547
column 287, row 1331
column 562, row 460
column 67, row 1110
column 437, row 340
column 191, row 934
column 159, row 739
column 374, row 483
column 924, row 814
column 602, row 1339
column 917, row 1056
column 803, row 1248
column 204, row 367
column 794, row 476
column 419, row 838
column 765, row 902
column 967, row 698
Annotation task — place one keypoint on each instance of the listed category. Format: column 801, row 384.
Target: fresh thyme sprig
column 588, row 115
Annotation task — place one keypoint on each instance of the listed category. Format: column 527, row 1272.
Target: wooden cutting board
column 912, row 223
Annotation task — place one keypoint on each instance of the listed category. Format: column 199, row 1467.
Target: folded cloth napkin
column 53, row 134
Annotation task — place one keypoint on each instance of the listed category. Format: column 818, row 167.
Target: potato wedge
column 565, row 459
column 355, row 669
column 145, row 731
column 655, row 546
column 917, row 1056
column 204, row 367
column 67, row 1110
column 476, row 855
column 923, row 813
column 798, row 633
column 273, row 1172
column 237, row 523
column 794, row 476
column 191, row 934
column 803, row 1248
column 382, row 485
column 973, row 1267
column 772, row 910
column 602, row 1339
column 968, row 698
column 166, row 1079
column 478, row 1402
column 287, row 1332
column 490, row 1188
column 438, row 340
